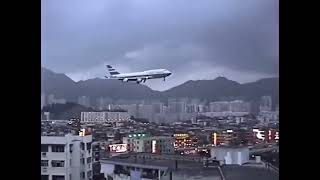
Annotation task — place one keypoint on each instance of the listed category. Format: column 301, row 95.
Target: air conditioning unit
column 44, row 170
column 44, row 154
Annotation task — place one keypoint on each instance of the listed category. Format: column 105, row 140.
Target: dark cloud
column 238, row 38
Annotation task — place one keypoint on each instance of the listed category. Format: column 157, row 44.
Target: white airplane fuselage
column 140, row 76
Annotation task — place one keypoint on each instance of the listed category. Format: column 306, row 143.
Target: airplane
column 138, row 76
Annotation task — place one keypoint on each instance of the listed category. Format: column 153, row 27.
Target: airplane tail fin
column 112, row 71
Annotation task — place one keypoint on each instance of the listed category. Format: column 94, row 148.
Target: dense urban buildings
column 66, row 156
column 212, row 134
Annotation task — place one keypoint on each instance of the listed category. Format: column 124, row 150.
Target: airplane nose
column 167, row 73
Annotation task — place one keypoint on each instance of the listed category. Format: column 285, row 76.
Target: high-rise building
column 131, row 108
column 157, row 107
column 239, row 106
column 46, row 116
column 181, row 107
column 177, row 106
column 191, row 108
column 201, row 108
column 100, row 105
column 266, row 103
column 67, row 157
column 145, row 111
column 84, row 101
column 43, row 100
column 172, row 105
column 51, row 99
column 219, row 106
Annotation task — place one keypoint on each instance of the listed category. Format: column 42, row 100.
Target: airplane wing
column 137, row 79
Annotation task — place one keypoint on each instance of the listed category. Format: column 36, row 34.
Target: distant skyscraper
column 51, row 99
column 157, row 107
column 266, row 103
column 46, row 116
column 201, row 108
column 100, row 103
column 132, row 109
column 172, row 105
column 177, row 106
column 219, row 106
column 43, row 100
column 145, row 111
column 84, row 101
column 191, row 108
column 239, row 106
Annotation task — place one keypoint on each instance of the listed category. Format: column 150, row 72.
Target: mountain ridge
column 217, row 89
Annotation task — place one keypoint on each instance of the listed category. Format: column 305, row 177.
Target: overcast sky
column 193, row 39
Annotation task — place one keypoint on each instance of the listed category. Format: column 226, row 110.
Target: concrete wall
column 231, row 155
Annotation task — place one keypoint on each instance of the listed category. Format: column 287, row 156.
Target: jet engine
column 139, row 80
column 125, row 80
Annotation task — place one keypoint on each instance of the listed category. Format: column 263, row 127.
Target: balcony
column 54, row 155
column 55, row 170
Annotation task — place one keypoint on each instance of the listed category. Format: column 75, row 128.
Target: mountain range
column 219, row 88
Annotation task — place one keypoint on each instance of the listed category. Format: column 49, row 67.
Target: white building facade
column 150, row 144
column 66, row 157
column 101, row 117
column 229, row 155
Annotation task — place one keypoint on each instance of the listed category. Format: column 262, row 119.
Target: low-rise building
column 230, row 155
column 151, row 144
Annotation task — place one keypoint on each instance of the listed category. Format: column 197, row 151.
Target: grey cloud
column 237, row 35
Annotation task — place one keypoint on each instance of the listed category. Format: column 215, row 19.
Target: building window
column 44, row 177
column 44, row 163
column 44, row 148
column 88, row 146
column 57, row 148
column 57, row 163
column 82, row 146
column 89, row 174
column 70, row 148
column 82, row 160
column 89, row 160
column 82, row 175
column 54, row 177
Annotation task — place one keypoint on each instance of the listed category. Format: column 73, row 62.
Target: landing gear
column 164, row 78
